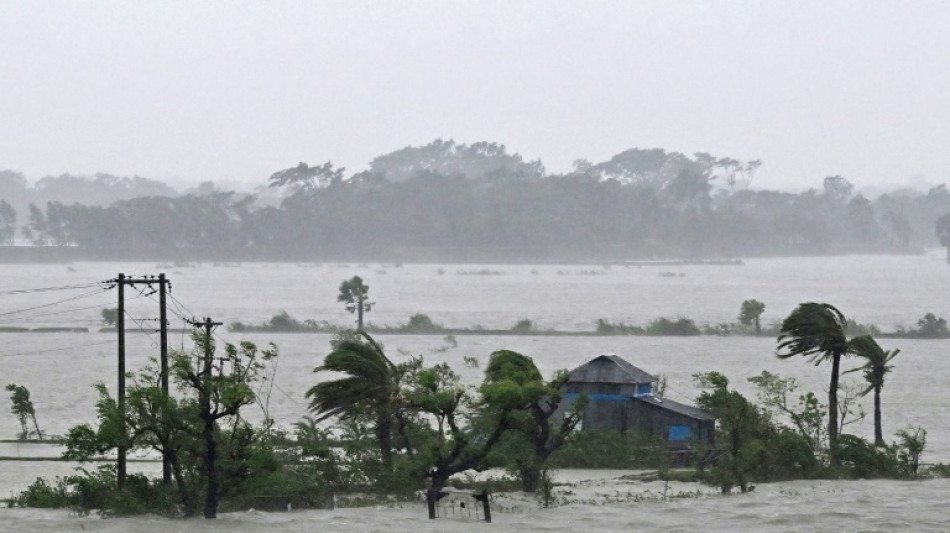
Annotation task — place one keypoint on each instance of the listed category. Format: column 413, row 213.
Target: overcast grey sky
column 233, row 91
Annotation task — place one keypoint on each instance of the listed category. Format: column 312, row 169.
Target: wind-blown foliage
column 22, row 407
column 753, row 448
column 513, row 385
column 817, row 330
column 750, row 314
column 876, row 366
column 371, row 386
column 186, row 429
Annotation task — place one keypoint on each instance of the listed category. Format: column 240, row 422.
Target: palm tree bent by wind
column 817, row 330
column 875, row 368
column 371, row 384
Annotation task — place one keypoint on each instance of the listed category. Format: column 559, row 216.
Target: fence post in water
column 486, row 506
column 430, row 503
column 432, row 498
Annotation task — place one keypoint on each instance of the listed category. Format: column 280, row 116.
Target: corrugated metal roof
column 609, row 368
column 676, row 407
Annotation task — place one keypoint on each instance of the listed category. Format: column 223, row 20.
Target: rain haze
column 185, row 92
column 688, row 203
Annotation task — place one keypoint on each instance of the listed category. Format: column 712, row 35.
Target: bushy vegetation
column 660, row 326
column 421, row 323
column 929, row 326
column 282, row 322
column 782, row 438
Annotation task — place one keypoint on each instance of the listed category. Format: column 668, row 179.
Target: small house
column 621, row 398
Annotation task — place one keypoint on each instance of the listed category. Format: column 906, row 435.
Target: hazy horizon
column 183, row 93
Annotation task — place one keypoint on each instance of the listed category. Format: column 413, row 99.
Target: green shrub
column 421, row 323
column 610, row 449
column 45, row 496
column 678, row 327
column 861, row 459
column 608, row 328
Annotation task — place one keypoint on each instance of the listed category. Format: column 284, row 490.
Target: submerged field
column 600, row 501
column 61, row 368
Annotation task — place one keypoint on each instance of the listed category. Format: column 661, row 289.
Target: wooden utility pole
column 120, row 393
column 208, row 416
column 164, row 285
column 163, row 356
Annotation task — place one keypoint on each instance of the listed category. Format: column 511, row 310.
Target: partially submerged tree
column 744, row 446
column 931, row 326
column 22, row 407
column 913, row 440
column 370, row 386
column 186, row 430
column 218, row 397
column 781, row 396
column 355, row 294
column 750, row 313
column 110, row 315
column 514, row 384
column 876, row 366
column 817, row 330
column 461, row 439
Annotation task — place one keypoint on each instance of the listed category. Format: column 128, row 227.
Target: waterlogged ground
column 60, row 370
column 593, row 501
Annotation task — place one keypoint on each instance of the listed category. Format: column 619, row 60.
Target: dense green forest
column 447, row 201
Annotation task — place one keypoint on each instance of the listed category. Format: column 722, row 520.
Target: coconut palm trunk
column 817, row 330
column 878, row 430
column 833, row 407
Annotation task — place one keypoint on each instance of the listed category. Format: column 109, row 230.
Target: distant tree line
column 450, row 201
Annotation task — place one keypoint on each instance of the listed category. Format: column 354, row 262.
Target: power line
column 282, row 391
column 48, row 289
column 142, row 327
column 52, row 313
column 182, row 312
column 64, row 348
column 71, row 310
column 83, row 295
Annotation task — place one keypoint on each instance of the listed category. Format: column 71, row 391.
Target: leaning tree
column 817, row 330
column 369, row 383
column 875, row 368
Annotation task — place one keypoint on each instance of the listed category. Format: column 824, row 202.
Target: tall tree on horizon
column 355, row 294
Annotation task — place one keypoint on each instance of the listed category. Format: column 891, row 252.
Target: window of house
column 679, row 433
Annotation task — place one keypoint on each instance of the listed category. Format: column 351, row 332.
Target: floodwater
column 607, row 505
column 60, row 368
